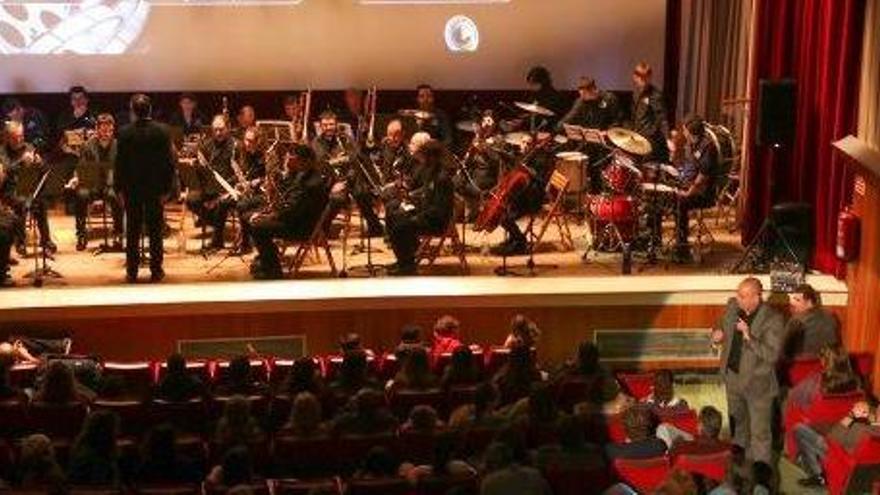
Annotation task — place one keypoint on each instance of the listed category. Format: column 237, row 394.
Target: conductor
column 144, row 169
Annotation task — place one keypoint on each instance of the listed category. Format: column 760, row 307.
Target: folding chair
column 557, row 187
column 429, row 251
column 317, row 240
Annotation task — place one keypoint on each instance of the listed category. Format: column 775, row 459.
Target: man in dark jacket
column 649, row 112
column 143, row 174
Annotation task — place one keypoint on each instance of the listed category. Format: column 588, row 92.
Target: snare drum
column 622, row 176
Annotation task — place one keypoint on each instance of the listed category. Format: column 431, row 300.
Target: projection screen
column 123, row 45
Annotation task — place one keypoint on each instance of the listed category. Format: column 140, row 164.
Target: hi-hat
column 629, row 141
column 534, row 108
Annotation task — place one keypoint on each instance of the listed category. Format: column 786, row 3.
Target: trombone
column 372, row 95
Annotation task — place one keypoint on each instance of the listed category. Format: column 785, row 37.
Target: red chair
column 417, row 447
column 279, row 370
column 259, row 370
column 198, row 368
column 713, row 466
column 637, row 385
column 388, row 486
column 259, row 406
column 22, row 375
column 330, row 365
column 826, row 409
column 460, row 395
column 434, row 485
column 402, row 401
column 351, row 449
column 614, row 430
column 574, row 390
column 189, row 416
column 294, row 456
column 168, row 490
column 132, row 415
column 257, row 488
column 681, row 418
column 796, row 370
column 58, row 421
column 852, row 473
column 307, row 487
column 137, row 377
column 13, row 417
column 573, row 479
column 388, row 366
column 645, row 475
column 495, row 359
column 863, row 364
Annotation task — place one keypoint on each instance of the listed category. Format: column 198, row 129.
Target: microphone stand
column 41, row 265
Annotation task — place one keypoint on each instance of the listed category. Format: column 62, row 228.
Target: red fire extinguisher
column 848, row 227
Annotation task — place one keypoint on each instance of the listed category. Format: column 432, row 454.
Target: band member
column 36, row 129
column 427, row 208
column 649, row 112
column 213, row 202
column 98, row 153
column 394, row 157
column 253, row 164
column 483, row 161
column 293, row 112
column 437, row 124
column 540, row 84
column 80, row 119
column 247, row 118
column 336, row 153
column 24, row 165
column 8, row 224
column 143, row 175
column 300, row 199
column 594, row 108
column 355, row 114
column 187, row 117
column 539, row 161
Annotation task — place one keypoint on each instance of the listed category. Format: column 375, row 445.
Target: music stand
column 193, row 181
column 41, row 265
column 92, row 175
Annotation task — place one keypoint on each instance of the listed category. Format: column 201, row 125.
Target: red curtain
column 818, row 43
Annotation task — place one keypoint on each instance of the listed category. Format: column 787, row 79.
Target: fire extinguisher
column 848, row 227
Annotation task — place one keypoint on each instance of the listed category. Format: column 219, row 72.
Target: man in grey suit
column 750, row 334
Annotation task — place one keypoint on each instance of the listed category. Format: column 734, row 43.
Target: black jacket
column 144, row 160
column 303, row 202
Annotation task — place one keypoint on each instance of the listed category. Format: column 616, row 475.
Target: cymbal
column 575, row 156
column 466, row 126
column 629, row 141
column 534, row 108
column 415, row 113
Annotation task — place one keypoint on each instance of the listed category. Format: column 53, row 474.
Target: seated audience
column 366, row 415
column 641, row 442
column 837, row 377
column 523, row 331
column 239, row 379
column 813, row 447
column 410, row 338
column 445, row 338
column 235, row 469
column 663, row 394
column 482, row 413
column 17, row 352
column 379, row 463
column 7, row 390
column 162, row 463
column 707, row 441
column 305, row 417
column 571, row 448
column 515, row 379
column 304, row 376
column 353, row 375
column 678, row 482
column 351, row 341
column 37, row 466
column 423, row 420
column 415, row 373
column 60, row 386
column 443, row 465
column 237, row 426
column 94, row 458
column 178, row 384
column 462, row 369
column 538, row 409
column 504, row 476
column 811, row 327
column 604, row 387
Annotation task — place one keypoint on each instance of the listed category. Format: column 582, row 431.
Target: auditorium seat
column 255, row 488
column 402, row 401
column 495, row 359
column 93, row 490
column 22, row 375
column 379, row 486
column 278, row 371
column 259, row 371
column 388, row 366
column 826, row 409
column 197, row 368
column 645, row 475
column 169, row 489
column 188, row 416
column 679, row 417
column 58, row 421
column 417, row 447
column 13, row 418
column 460, row 395
column 330, row 365
column 637, row 385
column 293, row 456
column 351, row 449
column 133, row 419
column 442, row 485
column 796, row 370
column 569, row 479
column 136, row 377
column 852, row 473
column 259, row 406
column 863, row 364
column 306, row 487
column 713, row 466
column 573, row 390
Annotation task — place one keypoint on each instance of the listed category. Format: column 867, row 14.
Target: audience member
column 837, row 377
column 239, row 379
column 37, row 466
column 571, row 448
column 237, row 426
column 811, row 327
column 604, row 388
column 663, row 394
column 378, row 463
column 482, row 413
column 762, row 478
column 94, row 458
column 305, row 417
column 162, row 463
column 523, row 331
column 462, row 369
column 537, row 410
column 708, row 438
column 351, row 341
column 178, row 384
column 641, row 442
column 445, row 338
column 17, row 352
column 415, row 373
column 410, row 338
column 235, row 469
column 423, row 420
column 61, row 387
column 367, row 415
column 443, row 465
column 304, row 376
column 514, row 380
column 678, row 482
column 7, row 390
column 352, row 375
column 504, row 476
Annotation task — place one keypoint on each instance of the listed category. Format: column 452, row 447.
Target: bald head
column 749, row 293
column 394, row 133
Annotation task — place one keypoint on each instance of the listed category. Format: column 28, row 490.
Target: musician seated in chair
column 8, row 222
column 98, row 154
column 21, row 159
column 296, row 203
column 699, row 182
column 539, row 162
column 213, row 202
column 337, row 154
column 426, row 209
column 253, row 164
column 483, row 162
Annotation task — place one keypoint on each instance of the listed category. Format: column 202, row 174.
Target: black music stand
column 42, row 269
column 92, row 176
column 193, row 181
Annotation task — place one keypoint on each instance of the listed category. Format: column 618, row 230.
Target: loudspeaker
column 776, row 112
column 794, row 222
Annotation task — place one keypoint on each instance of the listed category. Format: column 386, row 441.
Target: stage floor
column 184, row 264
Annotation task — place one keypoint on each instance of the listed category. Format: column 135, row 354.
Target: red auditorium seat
column 278, row 371
column 257, row 488
column 13, row 417
column 460, row 395
column 304, row 456
column 826, row 409
column 259, row 370
column 137, row 376
column 417, row 447
column 22, row 375
column 388, row 366
column 572, row 391
column 307, row 487
column 795, row 371
column 402, row 401
column 571, row 479
column 330, row 364
column 495, row 359
column 645, row 475
column 435, row 485
column 132, row 415
column 681, row 418
column 637, row 385
column 863, row 364
column 713, row 466
column 58, row 421
column 351, row 449
column 389, row 486
column 168, row 490
column 259, row 405
column 90, row 490
column 198, row 368
column 614, row 429
column 852, row 473
column 188, row 416
column 443, row 360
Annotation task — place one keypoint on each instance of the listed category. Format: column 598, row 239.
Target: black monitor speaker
column 776, row 112
column 794, row 222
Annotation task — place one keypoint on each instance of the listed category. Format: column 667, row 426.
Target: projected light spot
column 461, row 34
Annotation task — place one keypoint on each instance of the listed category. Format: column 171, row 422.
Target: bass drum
column 725, row 144
column 613, row 213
